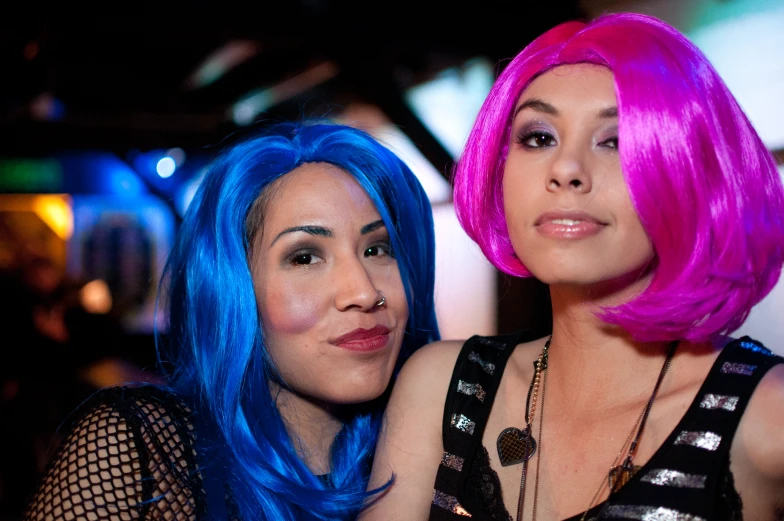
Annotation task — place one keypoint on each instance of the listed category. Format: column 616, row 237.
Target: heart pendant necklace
column 518, row 445
column 515, row 446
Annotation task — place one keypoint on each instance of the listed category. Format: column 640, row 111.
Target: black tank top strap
column 475, row 380
column 684, row 476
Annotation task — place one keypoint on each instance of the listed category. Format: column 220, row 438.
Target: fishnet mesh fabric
column 129, row 456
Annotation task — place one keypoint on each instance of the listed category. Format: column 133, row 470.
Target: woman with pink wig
column 610, row 162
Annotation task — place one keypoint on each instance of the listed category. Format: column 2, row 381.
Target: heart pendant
column 515, row 446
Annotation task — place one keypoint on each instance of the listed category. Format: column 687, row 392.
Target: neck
column 594, row 362
column 311, row 424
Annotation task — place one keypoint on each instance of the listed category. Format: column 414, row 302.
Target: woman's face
column 570, row 217
column 322, row 256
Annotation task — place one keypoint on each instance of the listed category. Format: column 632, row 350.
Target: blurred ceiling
column 131, row 77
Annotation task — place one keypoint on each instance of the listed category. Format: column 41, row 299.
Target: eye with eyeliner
column 611, row 143
column 534, row 136
column 303, row 256
column 379, row 245
column 379, row 249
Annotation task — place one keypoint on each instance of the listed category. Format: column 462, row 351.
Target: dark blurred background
column 108, row 117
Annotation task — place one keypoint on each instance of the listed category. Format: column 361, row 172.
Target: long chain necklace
column 615, row 462
column 518, row 446
column 515, row 445
column 619, row 475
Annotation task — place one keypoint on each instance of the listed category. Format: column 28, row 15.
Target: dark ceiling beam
column 376, row 85
column 111, row 72
column 42, row 139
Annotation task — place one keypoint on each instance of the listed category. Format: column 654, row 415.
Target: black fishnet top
column 129, row 454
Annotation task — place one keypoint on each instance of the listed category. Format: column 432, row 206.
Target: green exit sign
column 30, row 175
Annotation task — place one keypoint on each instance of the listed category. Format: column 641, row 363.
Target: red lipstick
column 568, row 225
column 364, row 339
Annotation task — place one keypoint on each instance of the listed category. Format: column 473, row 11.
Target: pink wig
column 704, row 185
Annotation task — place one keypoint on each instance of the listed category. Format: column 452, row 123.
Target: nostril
column 576, row 183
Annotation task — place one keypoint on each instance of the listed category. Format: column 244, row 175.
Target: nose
column 354, row 288
column 569, row 172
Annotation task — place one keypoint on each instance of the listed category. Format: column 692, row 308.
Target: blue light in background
column 165, row 167
column 186, row 192
column 99, row 172
column 123, row 181
column 158, row 167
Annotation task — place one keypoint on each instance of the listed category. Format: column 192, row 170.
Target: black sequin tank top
column 687, row 479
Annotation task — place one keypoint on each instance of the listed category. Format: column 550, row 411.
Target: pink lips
column 364, row 339
column 568, row 225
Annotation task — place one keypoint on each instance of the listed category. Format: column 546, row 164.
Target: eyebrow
column 326, row 232
column 537, row 105
column 312, row 230
column 375, row 225
column 608, row 113
column 544, row 107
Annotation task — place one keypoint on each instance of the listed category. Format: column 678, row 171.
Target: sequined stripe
column 756, row 348
column 488, row 367
column 463, row 423
column 449, row 503
column 647, row 513
column 471, row 389
column 703, row 440
column 452, row 461
column 719, row 401
column 495, row 344
column 736, row 368
column 674, row 478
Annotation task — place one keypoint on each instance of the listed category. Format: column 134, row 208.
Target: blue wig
column 215, row 343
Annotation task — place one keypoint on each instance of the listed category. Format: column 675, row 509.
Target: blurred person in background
column 59, row 347
column 301, row 279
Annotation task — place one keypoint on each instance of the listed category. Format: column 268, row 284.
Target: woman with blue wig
column 301, row 279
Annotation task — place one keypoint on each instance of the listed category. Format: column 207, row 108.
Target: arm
column 410, row 444
column 757, row 454
column 95, row 474
column 127, row 456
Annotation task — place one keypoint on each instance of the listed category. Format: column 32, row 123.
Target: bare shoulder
column 410, row 442
column 436, row 352
column 435, row 360
column 757, row 455
column 763, row 422
column 424, row 379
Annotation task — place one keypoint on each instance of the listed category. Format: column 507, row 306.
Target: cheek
column 401, row 309
column 515, row 204
column 288, row 311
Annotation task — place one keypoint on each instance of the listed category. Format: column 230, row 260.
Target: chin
column 555, row 275
column 618, row 287
column 355, row 395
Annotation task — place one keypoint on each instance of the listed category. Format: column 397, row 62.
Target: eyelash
column 526, row 136
column 292, row 259
column 614, row 138
column 384, row 244
column 299, row 254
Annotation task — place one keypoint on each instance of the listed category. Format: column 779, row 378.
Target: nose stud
column 381, row 298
